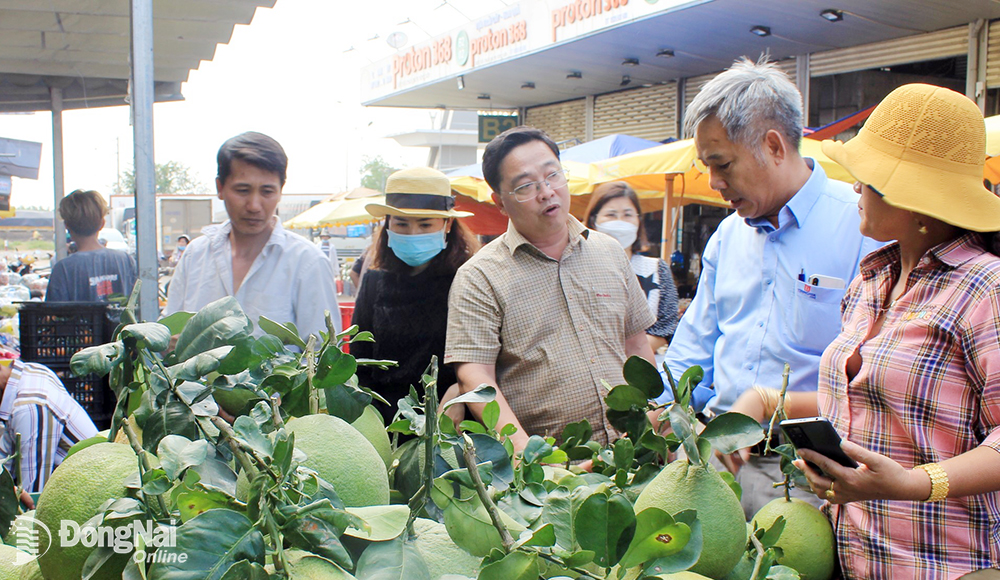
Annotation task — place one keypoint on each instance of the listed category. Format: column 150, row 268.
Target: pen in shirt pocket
column 802, row 275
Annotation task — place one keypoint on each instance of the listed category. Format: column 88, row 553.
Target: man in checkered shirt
column 549, row 311
column 34, row 403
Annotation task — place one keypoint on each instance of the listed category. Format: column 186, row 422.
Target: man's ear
column 218, row 187
column 498, row 201
column 775, row 146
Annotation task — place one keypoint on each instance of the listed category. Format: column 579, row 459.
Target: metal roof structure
column 82, row 48
column 691, row 37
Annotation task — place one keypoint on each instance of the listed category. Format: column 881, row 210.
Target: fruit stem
column 17, row 466
column 419, row 499
column 470, row 463
column 779, row 410
column 280, row 563
column 760, row 551
column 133, row 441
column 310, row 373
column 239, row 453
column 583, row 573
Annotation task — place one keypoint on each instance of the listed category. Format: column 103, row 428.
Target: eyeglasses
column 530, row 190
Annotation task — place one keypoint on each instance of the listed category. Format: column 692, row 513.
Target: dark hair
column 83, row 211
column 461, row 245
column 504, row 143
column 254, row 148
column 604, row 193
column 184, row 237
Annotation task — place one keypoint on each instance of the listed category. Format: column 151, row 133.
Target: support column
column 588, row 119
column 975, row 72
column 802, row 78
column 58, row 186
column 141, row 20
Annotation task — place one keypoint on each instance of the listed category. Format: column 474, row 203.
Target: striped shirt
column 928, row 389
column 36, row 405
column 554, row 329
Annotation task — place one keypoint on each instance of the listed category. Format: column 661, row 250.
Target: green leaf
column 491, row 414
column 514, row 566
column 97, row 359
column 688, row 556
column 199, row 364
column 212, row 542
column 683, row 426
column 730, row 432
column 484, row 393
column 317, row 528
column 544, row 537
column 625, row 397
column 346, row 401
column 155, row 335
column 334, row 368
column 779, row 572
column 177, row 453
column 624, row 453
column 773, row 533
column 248, row 433
column 462, row 476
column 730, row 480
column 561, row 507
column 657, row 535
column 194, row 502
column 489, row 449
column 155, row 482
column 385, row 522
column 535, row 449
column 173, row 417
column 288, row 334
column 605, row 525
column 641, row 374
column 471, row 427
column 9, row 502
column 218, row 324
column 176, row 321
column 392, row 560
column 575, row 434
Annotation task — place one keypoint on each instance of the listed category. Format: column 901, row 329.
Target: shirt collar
column 10, row 390
column 219, row 234
column 515, row 240
column 800, row 206
column 951, row 254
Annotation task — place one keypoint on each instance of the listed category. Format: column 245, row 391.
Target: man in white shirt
column 270, row 271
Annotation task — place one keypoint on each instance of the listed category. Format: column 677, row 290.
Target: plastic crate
column 52, row 332
column 91, row 391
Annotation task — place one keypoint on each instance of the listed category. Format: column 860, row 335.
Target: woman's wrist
column 918, row 485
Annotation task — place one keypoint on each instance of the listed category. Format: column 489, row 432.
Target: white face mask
column 620, row 230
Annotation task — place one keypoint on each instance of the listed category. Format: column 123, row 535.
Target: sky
column 293, row 73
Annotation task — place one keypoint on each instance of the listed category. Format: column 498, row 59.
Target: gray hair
column 749, row 99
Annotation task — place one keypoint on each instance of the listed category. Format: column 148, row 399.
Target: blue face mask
column 417, row 249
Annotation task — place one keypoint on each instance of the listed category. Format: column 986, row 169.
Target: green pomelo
column 24, row 521
column 807, row 541
column 471, row 528
column 303, row 565
column 342, row 456
column 10, row 564
column 682, row 486
column 75, row 492
column 101, row 437
column 370, row 425
column 31, row 571
column 442, row 555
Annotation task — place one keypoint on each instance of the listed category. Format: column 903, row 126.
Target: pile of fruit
column 305, row 482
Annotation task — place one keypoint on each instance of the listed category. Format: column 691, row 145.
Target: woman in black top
column 404, row 298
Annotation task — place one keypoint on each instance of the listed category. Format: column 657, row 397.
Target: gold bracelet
column 770, row 397
column 939, row 481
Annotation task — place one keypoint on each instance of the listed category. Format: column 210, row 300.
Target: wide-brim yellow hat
column 419, row 192
column 923, row 148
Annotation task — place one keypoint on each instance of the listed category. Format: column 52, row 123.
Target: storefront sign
column 492, row 125
column 519, row 29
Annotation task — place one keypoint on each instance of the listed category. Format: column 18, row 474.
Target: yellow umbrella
column 346, row 212
column 992, row 169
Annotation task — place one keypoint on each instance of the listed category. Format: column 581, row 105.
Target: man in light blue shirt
column 774, row 274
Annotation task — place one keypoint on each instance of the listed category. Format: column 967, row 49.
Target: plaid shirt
column 554, row 329
column 928, row 390
column 36, row 405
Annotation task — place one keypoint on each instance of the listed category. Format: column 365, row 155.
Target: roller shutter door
column 649, row 112
column 562, row 121
column 919, row 47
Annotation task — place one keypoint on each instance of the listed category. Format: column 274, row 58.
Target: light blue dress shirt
column 755, row 308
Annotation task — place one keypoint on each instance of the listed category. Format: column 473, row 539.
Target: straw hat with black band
column 923, row 148
column 419, row 192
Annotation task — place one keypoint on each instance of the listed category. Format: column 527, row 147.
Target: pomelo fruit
column 101, row 437
column 23, row 521
column 31, row 571
column 75, row 491
column 10, row 564
column 807, row 541
column 470, row 527
column 370, row 425
column 682, row 486
column 342, row 456
column 440, row 553
column 304, row 565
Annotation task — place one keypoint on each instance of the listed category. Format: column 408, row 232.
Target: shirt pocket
column 607, row 309
column 814, row 320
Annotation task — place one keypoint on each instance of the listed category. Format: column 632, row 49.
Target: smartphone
column 817, row 434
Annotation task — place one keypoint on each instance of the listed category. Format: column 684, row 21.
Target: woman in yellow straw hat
column 912, row 383
column 404, row 298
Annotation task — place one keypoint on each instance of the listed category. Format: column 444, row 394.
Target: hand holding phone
column 817, row 434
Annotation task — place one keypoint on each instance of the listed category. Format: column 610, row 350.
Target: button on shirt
column 289, row 281
column 554, row 329
column 36, row 405
column 752, row 312
column 928, row 390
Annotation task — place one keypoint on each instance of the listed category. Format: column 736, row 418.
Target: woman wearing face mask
column 404, row 299
column 614, row 210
